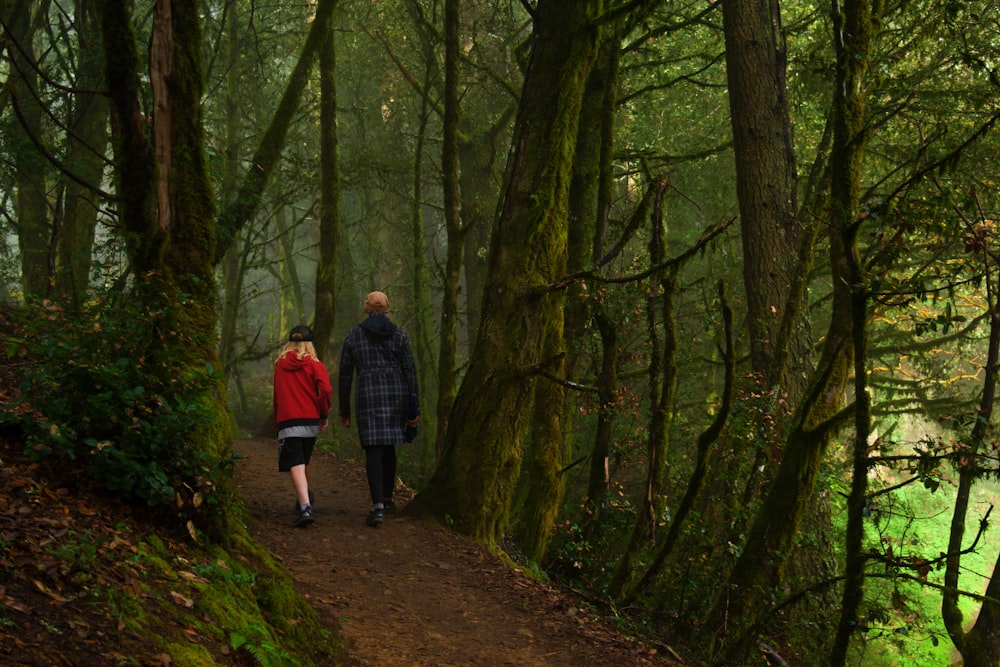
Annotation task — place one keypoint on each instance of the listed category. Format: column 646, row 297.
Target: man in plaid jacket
column 386, row 397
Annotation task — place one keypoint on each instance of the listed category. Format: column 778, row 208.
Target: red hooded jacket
column 302, row 391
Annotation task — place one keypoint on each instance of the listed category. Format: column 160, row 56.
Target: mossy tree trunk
column 34, row 226
column 329, row 203
column 186, row 209
column 854, row 32
column 88, row 139
column 447, row 349
column 979, row 644
column 135, row 173
column 168, row 204
column 761, row 566
column 777, row 248
column 550, row 448
column 547, row 452
column 473, row 485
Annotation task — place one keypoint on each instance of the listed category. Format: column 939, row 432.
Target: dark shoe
column 375, row 518
column 298, row 508
column 305, row 517
column 388, row 507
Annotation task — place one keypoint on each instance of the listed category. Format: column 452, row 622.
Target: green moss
column 236, row 599
column 157, row 546
column 190, row 655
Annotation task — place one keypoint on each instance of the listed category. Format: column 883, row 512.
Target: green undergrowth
column 241, row 602
column 106, row 487
column 87, row 582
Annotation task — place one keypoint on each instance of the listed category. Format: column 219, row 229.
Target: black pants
column 380, row 465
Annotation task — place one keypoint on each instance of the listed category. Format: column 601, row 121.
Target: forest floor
column 406, row 594
column 412, row 594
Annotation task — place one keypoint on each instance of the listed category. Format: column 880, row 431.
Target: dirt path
column 411, row 594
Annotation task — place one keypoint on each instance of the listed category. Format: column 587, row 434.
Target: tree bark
column 854, row 32
column 544, row 482
column 474, row 483
column 329, row 205
column 88, row 140
column 453, row 226
column 777, row 251
column 34, row 227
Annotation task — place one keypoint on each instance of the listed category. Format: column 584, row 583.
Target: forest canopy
column 702, row 295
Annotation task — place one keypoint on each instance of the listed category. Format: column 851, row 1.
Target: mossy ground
column 85, row 581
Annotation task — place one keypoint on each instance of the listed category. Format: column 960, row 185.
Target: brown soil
column 412, row 594
column 407, row 594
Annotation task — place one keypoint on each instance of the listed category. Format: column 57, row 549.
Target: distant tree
column 329, row 202
column 34, row 223
column 87, row 139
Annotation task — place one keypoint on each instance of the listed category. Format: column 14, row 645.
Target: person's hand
column 345, row 422
column 322, row 424
column 413, row 422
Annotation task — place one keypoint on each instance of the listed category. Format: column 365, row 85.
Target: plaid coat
column 379, row 353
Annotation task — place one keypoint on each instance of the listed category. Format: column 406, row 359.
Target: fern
column 255, row 640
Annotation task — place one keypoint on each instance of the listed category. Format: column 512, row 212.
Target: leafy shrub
column 102, row 395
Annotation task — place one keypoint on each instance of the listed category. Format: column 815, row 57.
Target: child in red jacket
column 302, row 396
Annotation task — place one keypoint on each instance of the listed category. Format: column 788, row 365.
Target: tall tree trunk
column 453, row 224
column 232, row 265
column 475, row 479
column 167, row 207
column 329, row 206
column 34, row 226
column 761, row 566
column 777, row 251
column 544, row 482
column 980, row 644
column 136, row 177
column 662, row 390
column 186, row 207
column 421, row 299
column 854, row 33
column 765, row 170
column 88, row 140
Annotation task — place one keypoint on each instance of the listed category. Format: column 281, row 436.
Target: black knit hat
column 300, row 334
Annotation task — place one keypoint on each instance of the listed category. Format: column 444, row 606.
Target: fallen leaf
column 11, row 603
column 181, row 600
column 191, row 576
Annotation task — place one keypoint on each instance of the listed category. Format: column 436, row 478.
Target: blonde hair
column 302, row 349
